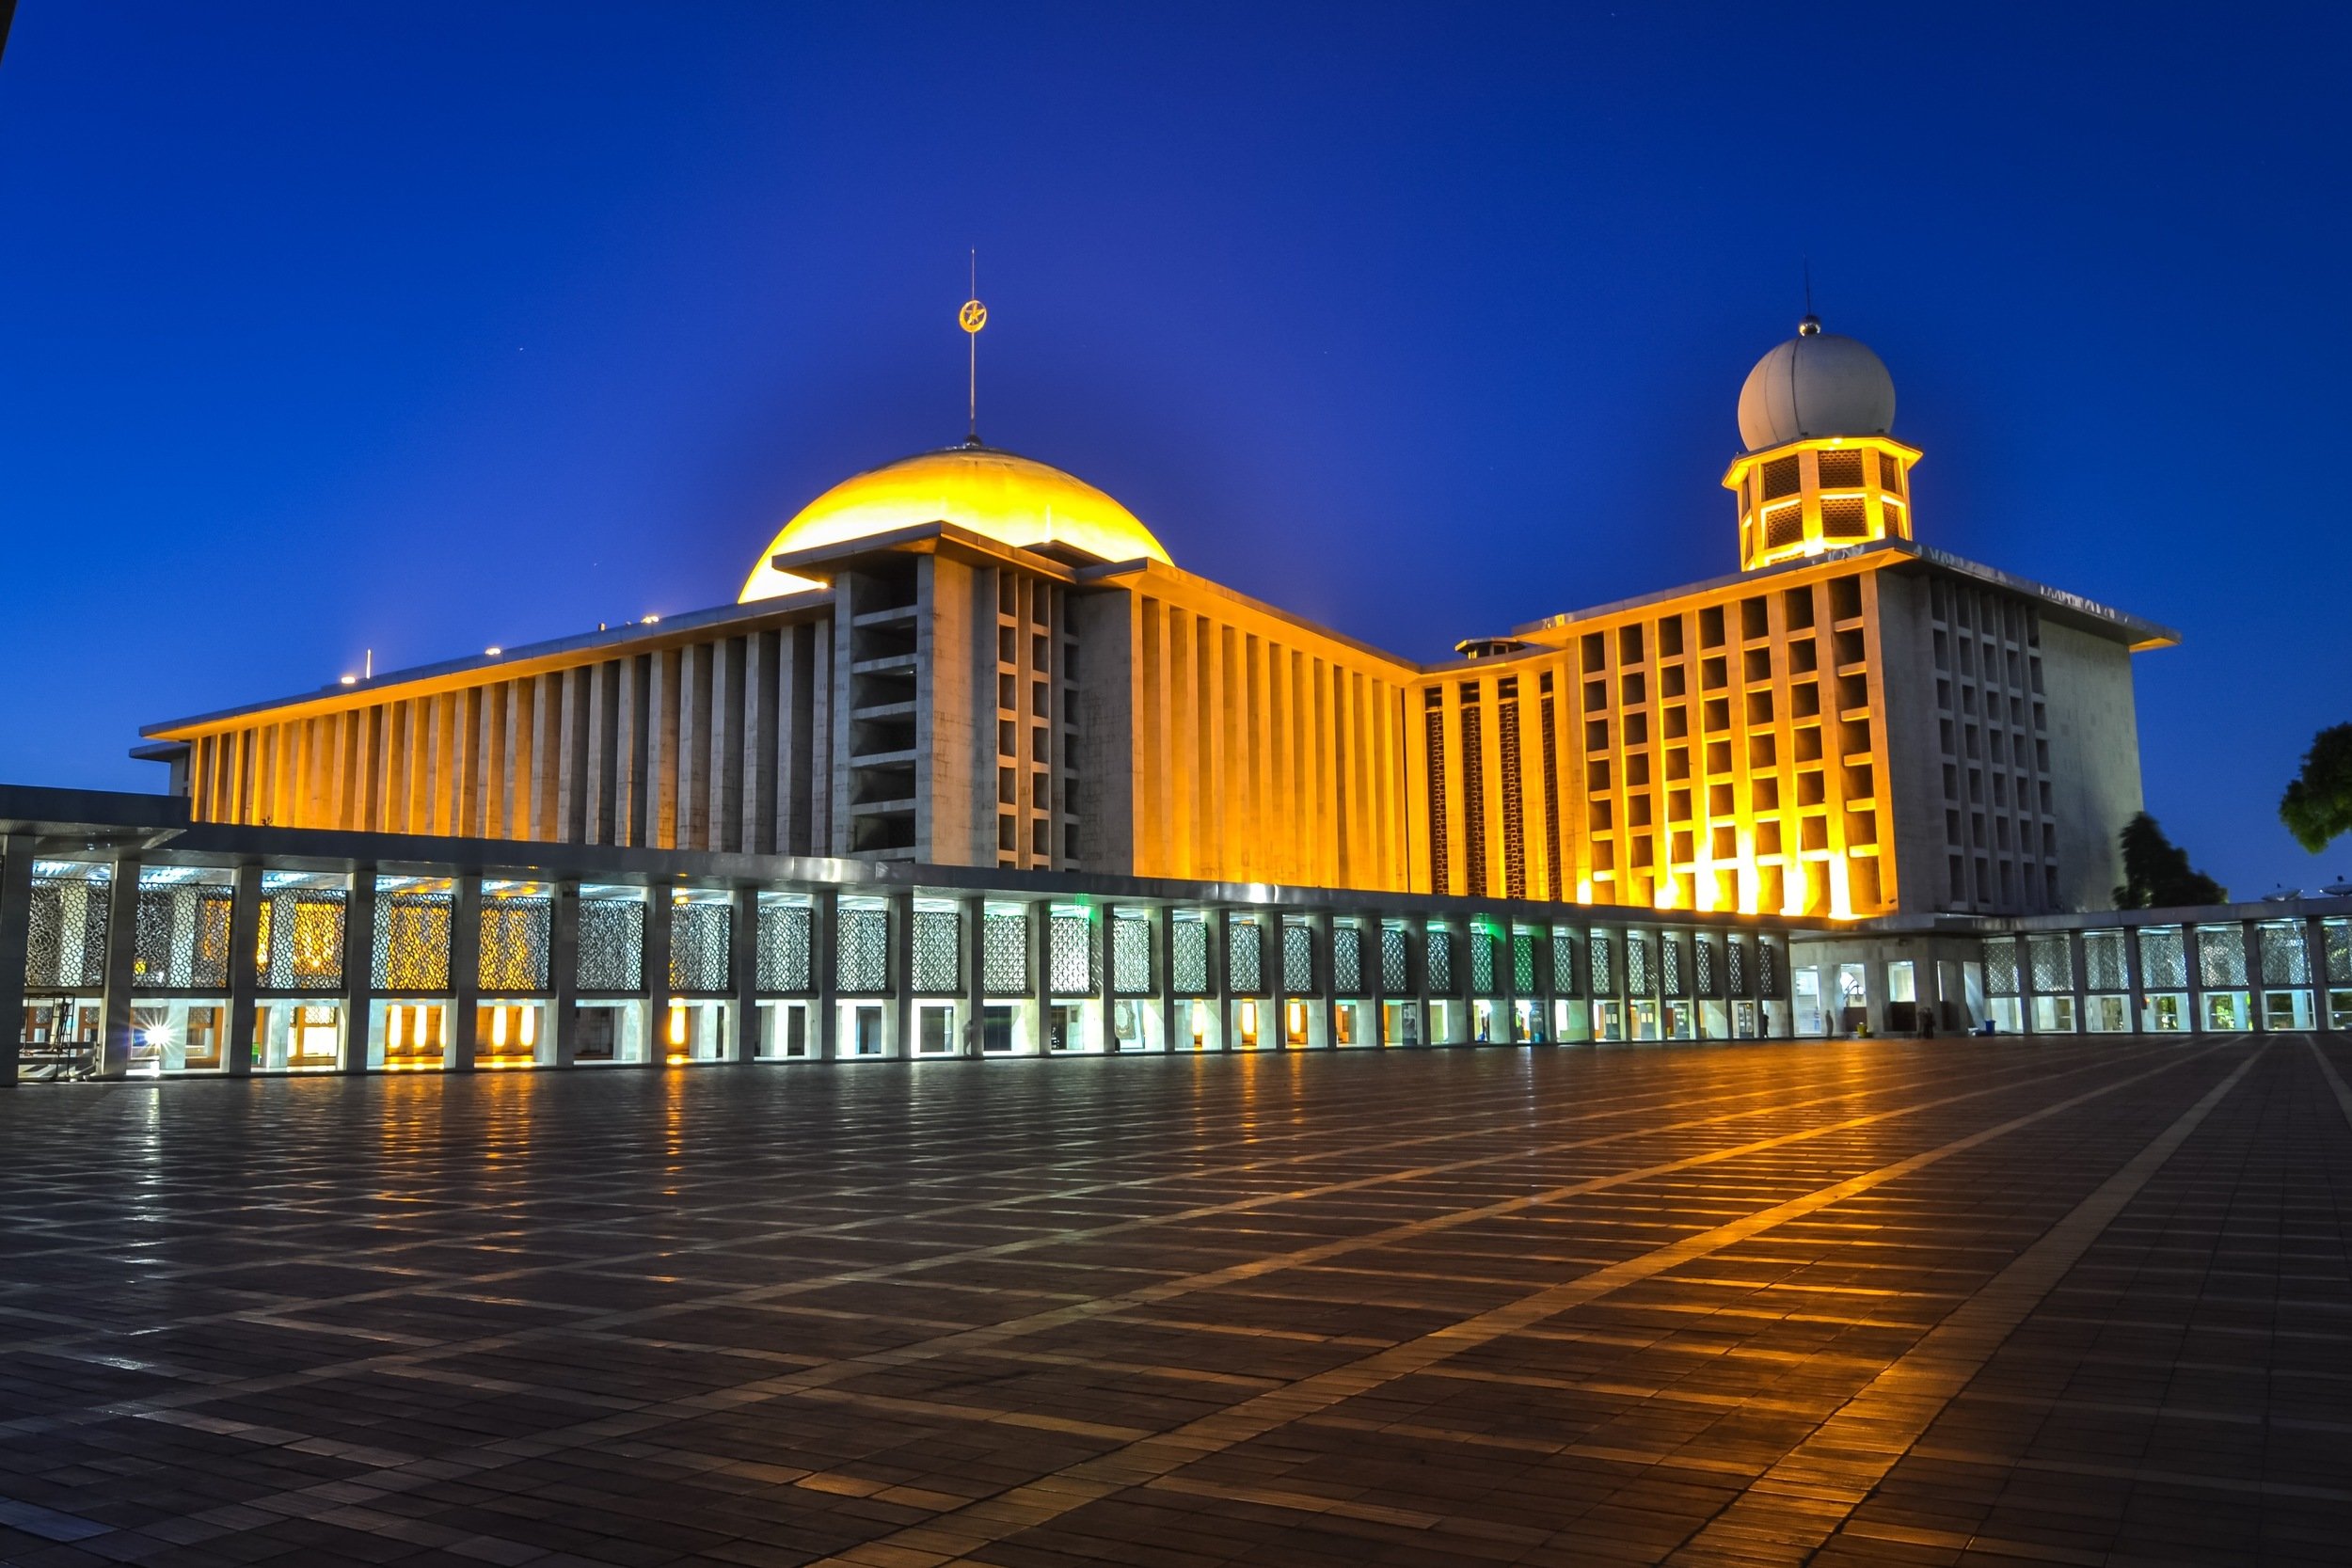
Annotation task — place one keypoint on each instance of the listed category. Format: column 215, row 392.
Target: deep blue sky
column 426, row 327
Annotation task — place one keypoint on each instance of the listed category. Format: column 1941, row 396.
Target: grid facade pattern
column 1673, row 974
column 1600, row 966
column 182, row 937
column 1639, row 978
column 1771, row 976
column 2221, row 955
column 1441, row 962
column 1523, row 962
column 1474, row 801
column 1552, row 806
column 1710, row 975
column 518, row 936
column 1069, row 953
column 1131, row 955
column 861, row 962
column 612, row 944
column 2000, row 966
column 2336, row 936
column 1482, row 960
column 1189, row 942
column 65, row 946
column 1395, row 960
column 1514, row 810
column 412, row 933
column 1298, row 957
column 1347, row 961
column 2163, row 958
column 1737, row 971
column 300, row 942
column 937, row 937
column 783, row 947
column 702, row 955
column 1005, row 953
column 1563, row 946
column 1244, row 964
column 1433, row 753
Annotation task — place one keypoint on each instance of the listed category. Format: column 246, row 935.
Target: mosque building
column 972, row 767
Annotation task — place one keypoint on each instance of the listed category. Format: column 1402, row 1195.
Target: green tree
column 2317, row 806
column 2156, row 873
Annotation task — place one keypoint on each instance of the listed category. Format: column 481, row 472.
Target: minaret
column 1821, row 472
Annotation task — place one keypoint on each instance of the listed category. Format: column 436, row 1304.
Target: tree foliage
column 2317, row 806
column 2156, row 873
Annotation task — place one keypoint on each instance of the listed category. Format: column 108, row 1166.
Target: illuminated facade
column 970, row 658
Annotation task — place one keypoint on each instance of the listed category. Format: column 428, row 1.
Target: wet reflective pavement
column 1962, row 1302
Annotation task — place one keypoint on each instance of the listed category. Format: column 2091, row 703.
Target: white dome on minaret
column 1817, row 384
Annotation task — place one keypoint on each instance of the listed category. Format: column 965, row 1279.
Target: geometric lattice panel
column 701, row 948
column 1298, row 957
column 1772, row 975
column 1601, row 967
column 1674, row 974
column 1739, row 977
column 1709, row 970
column 2337, row 936
column 1565, row 942
column 1397, row 976
column 2051, row 957
column 1348, row 959
column 301, row 939
column 1005, row 954
column 412, row 933
column 2163, row 958
column 1245, row 968
column 1482, row 960
column 1190, row 961
column 1639, row 979
column 1069, row 952
column 66, row 942
column 2000, row 966
column 182, row 937
column 1131, row 955
column 612, row 945
column 1523, row 962
column 2104, row 962
column 938, row 967
column 1441, row 961
column 861, row 962
column 2221, row 955
column 517, row 934
column 784, row 937
column 2283, row 954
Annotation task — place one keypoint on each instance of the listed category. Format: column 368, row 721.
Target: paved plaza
column 1959, row 1302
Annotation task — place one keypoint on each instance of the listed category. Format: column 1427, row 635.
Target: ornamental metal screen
column 182, row 937
column 1070, row 953
column 784, row 934
column 1640, row 980
column 1131, row 955
column 1738, row 975
column 1673, row 973
column 1708, row 973
column 1190, row 940
column 1602, row 966
column 65, row 941
column 2221, row 955
column 938, row 968
column 1245, row 963
column 1395, row 960
column 517, row 936
column 299, row 946
column 702, row 954
column 1348, row 959
column 412, row 931
column 2336, row 935
column 1441, row 961
column 1298, row 957
column 861, row 961
column 612, row 944
column 2000, row 966
column 1523, row 962
column 1772, row 975
column 1563, row 946
column 2283, row 956
column 2103, row 961
column 2163, row 958
column 2053, row 960
column 1005, row 953
column 1482, row 961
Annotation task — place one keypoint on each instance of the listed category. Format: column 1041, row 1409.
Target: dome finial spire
column 1811, row 326
column 972, row 318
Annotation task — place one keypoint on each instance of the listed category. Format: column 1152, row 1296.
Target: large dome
column 1816, row 384
column 998, row 494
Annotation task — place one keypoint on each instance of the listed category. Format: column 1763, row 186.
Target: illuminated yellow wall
column 1812, row 495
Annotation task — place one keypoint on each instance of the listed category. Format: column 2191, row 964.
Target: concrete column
column 2079, row 966
column 1506, row 997
column 359, row 966
column 122, row 950
column 1373, row 992
column 465, row 974
column 16, row 923
column 245, row 929
column 1221, row 976
column 898, row 974
column 2135, row 980
column 1175, row 1011
column 1106, row 994
column 563, row 973
column 656, row 974
column 2250, row 943
column 742, row 972
column 1327, row 987
column 2315, row 965
column 1417, row 970
column 971, row 969
column 1040, row 972
column 824, row 973
column 1274, row 935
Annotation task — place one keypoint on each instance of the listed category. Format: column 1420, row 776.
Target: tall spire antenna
column 972, row 318
column 1808, row 293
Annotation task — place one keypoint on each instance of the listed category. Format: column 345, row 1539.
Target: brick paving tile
column 1962, row 1302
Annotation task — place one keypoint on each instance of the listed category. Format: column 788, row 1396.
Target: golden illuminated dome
column 1004, row 496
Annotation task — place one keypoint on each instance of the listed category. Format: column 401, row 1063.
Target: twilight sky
column 425, row 326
